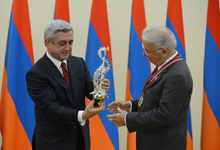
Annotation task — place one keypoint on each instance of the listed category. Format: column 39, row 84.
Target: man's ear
column 47, row 43
column 165, row 52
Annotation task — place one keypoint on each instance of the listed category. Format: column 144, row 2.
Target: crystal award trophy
column 99, row 94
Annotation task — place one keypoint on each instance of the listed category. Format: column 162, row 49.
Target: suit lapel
column 73, row 77
column 52, row 70
column 156, row 79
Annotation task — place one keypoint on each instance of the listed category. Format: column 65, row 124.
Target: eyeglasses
column 147, row 53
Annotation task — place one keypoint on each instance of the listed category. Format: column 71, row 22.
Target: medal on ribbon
column 140, row 102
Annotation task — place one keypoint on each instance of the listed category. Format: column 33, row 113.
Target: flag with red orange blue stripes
column 61, row 11
column 104, row 134
column 136, row 74
column 210, row 135
column 17, row 119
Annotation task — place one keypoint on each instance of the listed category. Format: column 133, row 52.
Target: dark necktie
column 155, row 70
column 66, row 75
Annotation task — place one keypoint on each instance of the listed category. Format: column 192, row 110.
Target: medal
column 140, row 102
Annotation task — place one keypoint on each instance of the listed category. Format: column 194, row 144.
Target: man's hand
column 121, row 104
column 118, row 119
column 90, row 111
column 106, row 85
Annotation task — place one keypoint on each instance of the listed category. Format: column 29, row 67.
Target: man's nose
column 68, row 46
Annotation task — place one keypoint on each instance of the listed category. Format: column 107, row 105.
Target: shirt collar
column 171, row 57
column 56, row 62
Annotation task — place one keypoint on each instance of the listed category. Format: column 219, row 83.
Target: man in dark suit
column 160, row 116
column 58, row 84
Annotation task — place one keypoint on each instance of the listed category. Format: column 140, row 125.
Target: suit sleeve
column 134, row 105
column 171, row 103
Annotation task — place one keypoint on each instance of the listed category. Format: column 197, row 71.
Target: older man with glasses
column 159, row 116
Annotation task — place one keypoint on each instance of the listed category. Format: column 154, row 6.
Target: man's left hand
column 118, row 118
column 106, row 85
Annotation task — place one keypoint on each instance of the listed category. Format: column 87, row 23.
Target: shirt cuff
column 125, row 119
column 127, row 113
column 81, row 121
column 130, row 106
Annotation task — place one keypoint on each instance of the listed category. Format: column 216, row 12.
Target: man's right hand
column 121, row 104
column 90, row 111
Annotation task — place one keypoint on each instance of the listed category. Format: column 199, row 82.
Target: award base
column 98, row 101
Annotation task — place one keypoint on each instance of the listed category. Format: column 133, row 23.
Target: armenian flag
column 136, row 73
column 104, row 134
column 210, row 134
column 17, row 119
column 62, row 10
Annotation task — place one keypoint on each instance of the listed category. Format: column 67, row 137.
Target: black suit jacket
column 161, row 122
column 56, row 109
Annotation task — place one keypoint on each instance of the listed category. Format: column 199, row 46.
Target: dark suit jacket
column 56, row 109
column 161, row 122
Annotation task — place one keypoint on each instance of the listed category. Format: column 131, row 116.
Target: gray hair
column 54, row 26
column 160, row 36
